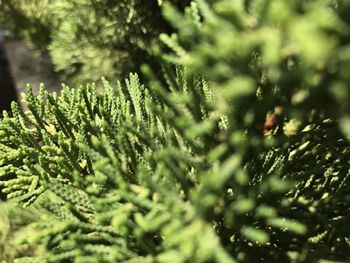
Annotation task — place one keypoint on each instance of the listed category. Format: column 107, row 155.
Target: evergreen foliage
column 15, row 228
column 243, row 156
column 88, row 39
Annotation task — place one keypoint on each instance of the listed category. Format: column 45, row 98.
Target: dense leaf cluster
column 88, row 39
column 240, row 154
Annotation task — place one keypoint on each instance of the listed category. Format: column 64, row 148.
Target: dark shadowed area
column 7, row 93
column 7, row 87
